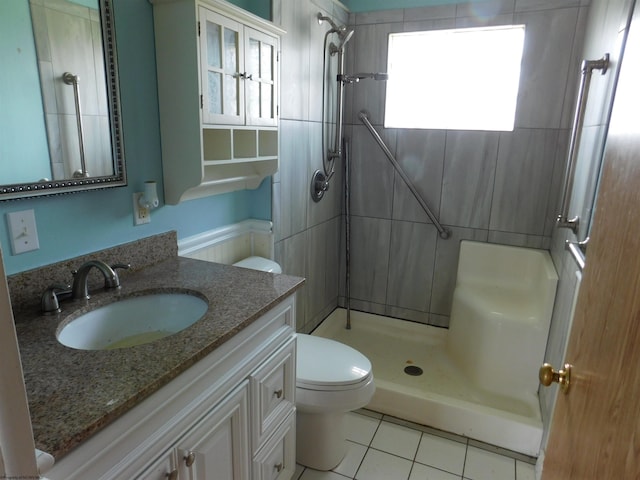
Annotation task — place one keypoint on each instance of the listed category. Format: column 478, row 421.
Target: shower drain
column 413, row 370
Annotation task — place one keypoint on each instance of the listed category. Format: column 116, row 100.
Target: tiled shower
column 489, row 186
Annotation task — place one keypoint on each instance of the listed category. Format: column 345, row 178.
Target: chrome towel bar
column 71, row 79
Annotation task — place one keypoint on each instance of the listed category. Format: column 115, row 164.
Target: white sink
column 133, row 321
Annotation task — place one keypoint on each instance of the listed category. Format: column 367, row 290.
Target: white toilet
column 331, row 380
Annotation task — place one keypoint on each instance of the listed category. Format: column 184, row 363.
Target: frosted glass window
column 230, row 50
column 462, row 79
column 266, row 62
column 266, row 100
column 253, row 58
column 213, row 45
column 215, row 92
column 231, row 102
column 253, row 98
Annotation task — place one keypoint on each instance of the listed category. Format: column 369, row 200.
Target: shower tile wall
column 307, row 234
column 500, row 187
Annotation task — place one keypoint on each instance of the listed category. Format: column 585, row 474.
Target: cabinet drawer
column 277, row 459
column 273, row 388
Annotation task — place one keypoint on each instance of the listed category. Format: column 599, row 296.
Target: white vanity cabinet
column 230, row 416
column 218, row 90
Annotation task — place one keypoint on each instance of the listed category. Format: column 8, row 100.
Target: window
column 462, row 79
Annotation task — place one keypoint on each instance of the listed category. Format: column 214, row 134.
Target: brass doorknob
column 548, row 375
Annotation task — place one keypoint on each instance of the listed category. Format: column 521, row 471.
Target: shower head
column 341, row 30
column 345, row 36
column 322, row 18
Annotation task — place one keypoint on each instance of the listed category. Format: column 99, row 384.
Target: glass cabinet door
column 221, row 60
column 260, row 88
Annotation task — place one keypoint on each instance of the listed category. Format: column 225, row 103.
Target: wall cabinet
column 230, row 417
column 218, row 90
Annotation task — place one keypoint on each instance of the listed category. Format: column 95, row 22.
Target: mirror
column 60, row 128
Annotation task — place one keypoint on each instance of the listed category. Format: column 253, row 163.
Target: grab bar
column 71, row 79
column 444, row 233
column 562, row 221
column 577, row 251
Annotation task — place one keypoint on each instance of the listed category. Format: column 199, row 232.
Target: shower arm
column 444, row 233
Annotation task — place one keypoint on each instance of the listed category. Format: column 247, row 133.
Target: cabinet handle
column 173, row 475
column 189, row 459
column 278, row 393
column 278, row 467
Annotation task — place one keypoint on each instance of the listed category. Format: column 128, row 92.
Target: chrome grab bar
column 444, row 233
column 588, row 66
column 578, row 251
column 71, row 79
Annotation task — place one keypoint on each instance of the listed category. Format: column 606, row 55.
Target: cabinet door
column 221, row 68
column 261, row 65
column 218, row 446
column 273, row 387
column 277, row 459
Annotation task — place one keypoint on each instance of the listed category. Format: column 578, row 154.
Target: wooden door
column 595, row 433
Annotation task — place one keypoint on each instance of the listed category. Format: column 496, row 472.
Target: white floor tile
column 383, row 466
column 396, row 439
column 298, row 472
column 422, row 472
column 310, row 474
column 360, row 428
column 483, row 465
column 525, row 471
column 441, row 453
column 352, row 460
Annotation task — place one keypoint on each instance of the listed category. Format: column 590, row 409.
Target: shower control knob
column 548, row 376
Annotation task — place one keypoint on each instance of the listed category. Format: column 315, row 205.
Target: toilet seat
column 326, row 365
column 259, row 263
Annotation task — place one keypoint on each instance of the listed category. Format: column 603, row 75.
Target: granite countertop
column 74, row 393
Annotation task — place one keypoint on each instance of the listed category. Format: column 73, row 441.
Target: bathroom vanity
column 215, row 400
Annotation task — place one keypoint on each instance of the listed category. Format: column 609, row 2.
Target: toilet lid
column 259, row 263
column 322, row 362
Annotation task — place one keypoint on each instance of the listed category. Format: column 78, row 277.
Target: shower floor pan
column 441, row 396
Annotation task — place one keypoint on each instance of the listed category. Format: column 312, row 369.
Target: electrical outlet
column 23, row 232
column 141, row 215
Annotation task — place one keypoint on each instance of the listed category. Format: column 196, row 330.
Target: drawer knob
column 173, row 475
column 278, row 467
column 189, row 458
column 278, row 393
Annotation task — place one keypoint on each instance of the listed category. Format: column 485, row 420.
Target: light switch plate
column 22, row 231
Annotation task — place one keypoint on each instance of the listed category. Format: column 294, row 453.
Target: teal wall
column 262, row 8
column 79, row 223
column 22, row 127
column 373, row 5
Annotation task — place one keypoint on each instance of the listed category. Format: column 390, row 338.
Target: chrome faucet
column 80, row 288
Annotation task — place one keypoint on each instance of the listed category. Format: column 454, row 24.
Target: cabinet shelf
column 219, row 128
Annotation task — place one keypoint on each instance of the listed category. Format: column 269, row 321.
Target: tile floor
column 386, row 448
